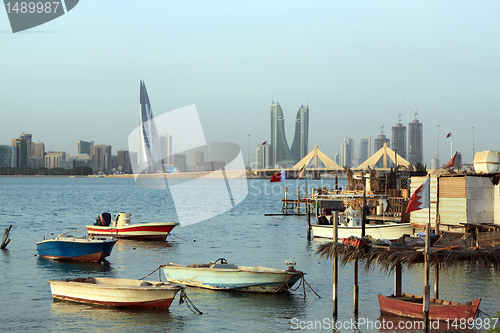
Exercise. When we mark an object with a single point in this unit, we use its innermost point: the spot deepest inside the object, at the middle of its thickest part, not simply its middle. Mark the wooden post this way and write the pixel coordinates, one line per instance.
(308, 223)
(298, 200)
(427, 288)
(436, 282)
(335, 266)
(285, 192)
(398, 280)
(356, 287)
(6, 240)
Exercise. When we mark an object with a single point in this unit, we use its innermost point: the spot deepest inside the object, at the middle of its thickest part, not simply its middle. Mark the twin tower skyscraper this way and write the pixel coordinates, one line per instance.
(278, 153)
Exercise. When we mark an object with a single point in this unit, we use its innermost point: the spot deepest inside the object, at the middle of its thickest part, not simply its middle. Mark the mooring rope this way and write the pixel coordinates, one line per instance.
(159, 273)
(189, 303)
(302, 283)
(479, 311)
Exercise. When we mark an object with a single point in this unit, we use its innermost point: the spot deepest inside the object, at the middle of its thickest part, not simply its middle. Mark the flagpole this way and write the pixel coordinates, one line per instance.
(451, 151)
(427, 288)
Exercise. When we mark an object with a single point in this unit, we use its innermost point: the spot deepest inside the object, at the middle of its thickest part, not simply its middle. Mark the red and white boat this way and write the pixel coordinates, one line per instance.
(116, 292)
(123, 228)
(411, 306)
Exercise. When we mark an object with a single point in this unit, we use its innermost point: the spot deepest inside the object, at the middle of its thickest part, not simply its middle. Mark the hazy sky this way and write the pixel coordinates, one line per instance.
(77, 77)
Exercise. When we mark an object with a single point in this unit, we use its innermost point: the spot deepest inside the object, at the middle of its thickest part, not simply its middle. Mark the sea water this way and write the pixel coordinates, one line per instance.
(39, 207)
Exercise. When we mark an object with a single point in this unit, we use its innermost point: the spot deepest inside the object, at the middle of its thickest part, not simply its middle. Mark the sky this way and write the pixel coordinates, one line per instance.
(356, 64)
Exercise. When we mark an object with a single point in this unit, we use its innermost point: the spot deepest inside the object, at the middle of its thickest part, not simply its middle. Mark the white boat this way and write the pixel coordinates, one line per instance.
(116, 292)
(122, 227)
(224, 276)
(349, 224)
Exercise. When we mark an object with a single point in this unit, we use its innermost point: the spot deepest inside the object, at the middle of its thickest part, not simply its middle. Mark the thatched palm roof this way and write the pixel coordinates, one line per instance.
(389, 257)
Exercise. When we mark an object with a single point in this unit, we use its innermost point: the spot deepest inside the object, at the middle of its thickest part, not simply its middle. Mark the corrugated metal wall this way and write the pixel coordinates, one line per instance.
(421, 217)
(453, 200)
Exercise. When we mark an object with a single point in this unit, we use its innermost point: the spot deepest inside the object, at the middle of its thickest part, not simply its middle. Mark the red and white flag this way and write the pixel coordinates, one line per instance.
(301, 172)
(421, 198)
(448, 135)
(278, 177)
(263, 143)
(451, 163)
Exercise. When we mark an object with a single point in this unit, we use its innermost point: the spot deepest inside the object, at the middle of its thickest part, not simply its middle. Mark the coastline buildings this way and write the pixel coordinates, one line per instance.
(347, 152)
(37, 154)
(364, 149)
(415, 142)
(101, 155)
(149, 149)
(263, 156)
(21, 151)
(399, 139)
(83, 147)
(280, 153)
(300, 139)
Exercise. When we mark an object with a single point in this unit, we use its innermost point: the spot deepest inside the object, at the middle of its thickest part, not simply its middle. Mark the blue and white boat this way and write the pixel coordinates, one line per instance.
(68, 246)
(223, 276)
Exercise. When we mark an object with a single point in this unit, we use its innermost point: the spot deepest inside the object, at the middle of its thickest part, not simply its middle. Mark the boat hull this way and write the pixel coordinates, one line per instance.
(243, 278)
(116, 292)
(380, 231)
(410, 306)
(75, 249)
(141, 231)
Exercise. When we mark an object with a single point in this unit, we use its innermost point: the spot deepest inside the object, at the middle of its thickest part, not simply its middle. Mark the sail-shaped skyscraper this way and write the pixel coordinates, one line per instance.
(299, 145)
(280, 153)
(149, 150)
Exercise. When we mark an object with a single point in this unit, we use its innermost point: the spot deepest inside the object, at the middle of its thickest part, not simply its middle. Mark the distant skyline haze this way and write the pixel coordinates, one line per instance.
(76, 78)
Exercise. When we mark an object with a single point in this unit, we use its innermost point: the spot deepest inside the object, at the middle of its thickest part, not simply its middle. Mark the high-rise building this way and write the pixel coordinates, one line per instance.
(38, 154)
(5, 156)
(179, 162)
(364, 149)
(264, 157)
(199, 157)
(101, 155)
(300, 140)
(149, 148)
(415, 143)
(379, 142)
(83, 147)
(55, 159)
(166, 148)
(124, 161)
(337, 158)
(347, 152)
(280, 153)
(399, 139)
(22, 151)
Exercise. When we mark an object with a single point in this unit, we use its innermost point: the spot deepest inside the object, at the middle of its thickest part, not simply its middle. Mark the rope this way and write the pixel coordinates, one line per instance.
(302, 283)
(152, 273)
(479, 312)
(189, 303)
(184, 239)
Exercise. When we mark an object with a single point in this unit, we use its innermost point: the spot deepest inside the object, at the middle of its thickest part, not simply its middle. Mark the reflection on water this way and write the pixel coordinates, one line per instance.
(126, 244)
(67, 269)
(70, 316)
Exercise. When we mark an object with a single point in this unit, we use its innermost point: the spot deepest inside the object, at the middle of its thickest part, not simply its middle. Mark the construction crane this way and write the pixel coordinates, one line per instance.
(400, 114)
(381, 127)
(414, 112)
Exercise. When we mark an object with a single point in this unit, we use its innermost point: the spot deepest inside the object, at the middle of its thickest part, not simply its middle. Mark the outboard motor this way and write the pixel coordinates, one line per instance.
(122, 219)
(104, 220)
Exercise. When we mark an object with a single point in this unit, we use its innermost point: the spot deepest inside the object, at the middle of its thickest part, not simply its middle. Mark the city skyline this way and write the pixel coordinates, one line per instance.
(349, 62)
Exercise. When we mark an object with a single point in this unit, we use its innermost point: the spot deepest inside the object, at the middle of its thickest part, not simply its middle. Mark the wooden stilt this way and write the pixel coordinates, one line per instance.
(398, 280)
(356, 287)
(335, 267)
(6, 239)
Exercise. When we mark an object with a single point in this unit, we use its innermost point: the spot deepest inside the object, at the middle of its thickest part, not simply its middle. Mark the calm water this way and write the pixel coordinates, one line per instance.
(37, 207)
